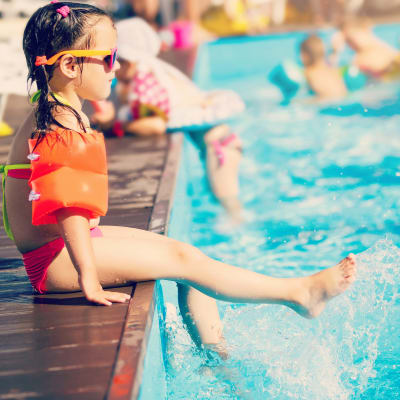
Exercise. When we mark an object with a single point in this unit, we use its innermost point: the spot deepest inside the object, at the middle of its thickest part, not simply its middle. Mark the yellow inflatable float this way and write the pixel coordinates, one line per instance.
(233, 18)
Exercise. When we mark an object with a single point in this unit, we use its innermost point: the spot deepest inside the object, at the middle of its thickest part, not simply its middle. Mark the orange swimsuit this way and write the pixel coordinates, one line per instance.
(68, 169)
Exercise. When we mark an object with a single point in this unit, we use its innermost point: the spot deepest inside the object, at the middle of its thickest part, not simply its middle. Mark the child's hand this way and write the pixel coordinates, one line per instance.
(106, 298)
(95, 293)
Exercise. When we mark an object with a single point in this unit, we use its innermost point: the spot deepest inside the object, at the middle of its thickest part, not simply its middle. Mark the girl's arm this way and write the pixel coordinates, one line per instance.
(74, 228)
(146, 126)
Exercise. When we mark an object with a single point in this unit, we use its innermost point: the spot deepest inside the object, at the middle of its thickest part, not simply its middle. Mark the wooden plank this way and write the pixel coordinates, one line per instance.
(36, 317)
(57, 383)
(22, 362)
(40, 337)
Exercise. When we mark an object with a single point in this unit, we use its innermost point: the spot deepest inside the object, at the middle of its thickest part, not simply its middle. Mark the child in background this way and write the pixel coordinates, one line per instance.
(372, 56)
(324, 80)
(70, 52)
(149, 10)
(153, 96)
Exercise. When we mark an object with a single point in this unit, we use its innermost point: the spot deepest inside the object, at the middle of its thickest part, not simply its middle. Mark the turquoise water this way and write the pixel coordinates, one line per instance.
(317, 182)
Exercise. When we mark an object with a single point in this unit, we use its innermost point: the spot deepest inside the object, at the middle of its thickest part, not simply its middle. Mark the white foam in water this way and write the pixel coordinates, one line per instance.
(334, 356)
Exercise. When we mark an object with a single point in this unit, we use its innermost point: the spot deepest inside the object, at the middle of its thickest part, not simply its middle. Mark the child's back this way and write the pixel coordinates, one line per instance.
(19, 209)
(324, 80)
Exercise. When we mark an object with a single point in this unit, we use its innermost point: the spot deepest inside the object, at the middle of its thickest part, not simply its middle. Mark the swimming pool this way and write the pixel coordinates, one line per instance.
(318, 182)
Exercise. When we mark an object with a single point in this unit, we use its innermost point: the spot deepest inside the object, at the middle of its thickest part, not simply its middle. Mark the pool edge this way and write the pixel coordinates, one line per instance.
(126, 377)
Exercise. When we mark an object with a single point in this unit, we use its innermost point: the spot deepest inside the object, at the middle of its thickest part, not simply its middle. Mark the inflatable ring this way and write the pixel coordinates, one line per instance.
(288, 77)
(216, 20)
(219, 107)
(353, 78)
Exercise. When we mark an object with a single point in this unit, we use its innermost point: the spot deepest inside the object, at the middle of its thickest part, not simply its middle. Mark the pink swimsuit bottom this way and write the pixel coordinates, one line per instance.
(37, 261)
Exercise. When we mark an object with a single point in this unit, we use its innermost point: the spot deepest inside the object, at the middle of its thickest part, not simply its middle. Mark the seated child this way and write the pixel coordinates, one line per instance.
(56, 189)
(325, 80)
(372, 56)
(154, 97)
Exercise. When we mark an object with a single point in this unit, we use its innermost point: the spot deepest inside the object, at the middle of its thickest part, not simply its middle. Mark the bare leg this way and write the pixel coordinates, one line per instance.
(201, 317)
(199, 311)
(223, 177)
(149, 256)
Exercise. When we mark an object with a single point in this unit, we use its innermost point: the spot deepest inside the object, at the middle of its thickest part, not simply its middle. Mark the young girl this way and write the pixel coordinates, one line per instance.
(70, 53)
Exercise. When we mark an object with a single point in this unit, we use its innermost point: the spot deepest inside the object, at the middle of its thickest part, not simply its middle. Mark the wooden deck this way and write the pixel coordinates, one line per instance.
(60, 346)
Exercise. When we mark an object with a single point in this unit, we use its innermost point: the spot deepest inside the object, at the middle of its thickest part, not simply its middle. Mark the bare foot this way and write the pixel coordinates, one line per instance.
(324, 285)
(219, 349)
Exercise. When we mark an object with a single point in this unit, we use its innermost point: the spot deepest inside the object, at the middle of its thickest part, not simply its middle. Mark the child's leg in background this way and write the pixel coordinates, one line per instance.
(223, 159)
(201, 317)
(222, 156)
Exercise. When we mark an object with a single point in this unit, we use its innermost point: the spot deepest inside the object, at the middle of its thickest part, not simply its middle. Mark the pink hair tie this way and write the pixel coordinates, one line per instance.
(40, 60)
(54, 2)
(64, 11)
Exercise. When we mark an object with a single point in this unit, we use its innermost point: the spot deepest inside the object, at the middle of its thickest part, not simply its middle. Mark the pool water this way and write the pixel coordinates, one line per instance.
(318, 181)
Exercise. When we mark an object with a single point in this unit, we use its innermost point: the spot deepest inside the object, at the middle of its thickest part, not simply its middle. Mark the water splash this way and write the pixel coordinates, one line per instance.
(347, 353)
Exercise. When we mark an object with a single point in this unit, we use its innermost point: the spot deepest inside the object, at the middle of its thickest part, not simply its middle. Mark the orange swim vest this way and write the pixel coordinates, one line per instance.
(69, 169)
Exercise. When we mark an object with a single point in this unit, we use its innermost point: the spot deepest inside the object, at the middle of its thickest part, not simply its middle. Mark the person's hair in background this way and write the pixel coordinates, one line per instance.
(312, 50)
(147, 9)
(152, 11)
(51, 29)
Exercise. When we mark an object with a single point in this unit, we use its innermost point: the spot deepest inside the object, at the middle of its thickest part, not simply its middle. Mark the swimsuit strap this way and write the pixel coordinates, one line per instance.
(35, 97)
(219, 145)
(4, 170)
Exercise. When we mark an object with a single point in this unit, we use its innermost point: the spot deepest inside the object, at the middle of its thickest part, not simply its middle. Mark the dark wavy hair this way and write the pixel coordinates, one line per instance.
(46, 34)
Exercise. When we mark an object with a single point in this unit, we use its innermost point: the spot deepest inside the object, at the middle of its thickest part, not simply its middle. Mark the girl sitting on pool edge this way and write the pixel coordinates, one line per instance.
(70, 52)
